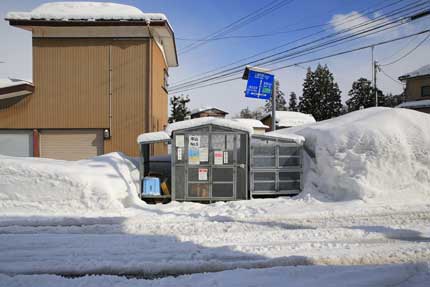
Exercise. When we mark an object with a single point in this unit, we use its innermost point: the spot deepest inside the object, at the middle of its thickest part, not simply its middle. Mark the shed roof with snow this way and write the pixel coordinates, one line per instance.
(247, 126)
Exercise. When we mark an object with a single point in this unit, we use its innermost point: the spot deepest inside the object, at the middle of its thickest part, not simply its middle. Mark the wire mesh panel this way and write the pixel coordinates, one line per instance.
(210, 157)
(276, 166)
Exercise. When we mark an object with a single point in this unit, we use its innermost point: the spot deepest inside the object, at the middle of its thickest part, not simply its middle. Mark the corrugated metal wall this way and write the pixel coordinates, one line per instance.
(159, 101)
(71, 78)
(129, 95)
(71, 86)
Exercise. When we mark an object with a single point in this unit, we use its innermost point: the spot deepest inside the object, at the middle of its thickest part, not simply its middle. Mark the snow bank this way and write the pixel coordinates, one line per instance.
(107, 183)
(373, 154)
(5, 83)
(64, 11)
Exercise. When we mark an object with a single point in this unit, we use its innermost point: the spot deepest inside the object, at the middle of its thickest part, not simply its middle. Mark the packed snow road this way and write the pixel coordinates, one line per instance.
(158, 241)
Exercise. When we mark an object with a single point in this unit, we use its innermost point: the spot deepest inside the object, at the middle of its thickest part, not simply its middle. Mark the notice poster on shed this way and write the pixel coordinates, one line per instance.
(218, 157)
(193, 156)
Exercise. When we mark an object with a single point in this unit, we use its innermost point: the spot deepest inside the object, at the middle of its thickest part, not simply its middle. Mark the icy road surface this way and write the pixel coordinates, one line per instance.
(189, 238)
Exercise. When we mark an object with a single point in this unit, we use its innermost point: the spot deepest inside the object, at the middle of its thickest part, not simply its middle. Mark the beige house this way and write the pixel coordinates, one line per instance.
(99, 79)
(417, 91)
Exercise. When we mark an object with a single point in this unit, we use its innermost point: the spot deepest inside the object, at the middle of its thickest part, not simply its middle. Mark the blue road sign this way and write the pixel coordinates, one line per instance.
(259, 85)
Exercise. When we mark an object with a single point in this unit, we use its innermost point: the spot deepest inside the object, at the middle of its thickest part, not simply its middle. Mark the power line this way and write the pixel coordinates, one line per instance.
(245, 20)
(233, 70)
(408, 53)
(390, 77)
(316, 59)
(346, 20)
(398, 10)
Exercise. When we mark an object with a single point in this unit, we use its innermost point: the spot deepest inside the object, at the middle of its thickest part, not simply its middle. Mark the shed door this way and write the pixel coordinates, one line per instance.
(16, 143)
(71, 144)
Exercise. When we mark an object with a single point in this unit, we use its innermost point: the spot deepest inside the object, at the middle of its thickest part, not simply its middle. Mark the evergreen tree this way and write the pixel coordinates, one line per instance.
(246, 113)
(321, 94)
(292, 104)
(281, 103)
(362, 95)
(179, 109)
(394, 100)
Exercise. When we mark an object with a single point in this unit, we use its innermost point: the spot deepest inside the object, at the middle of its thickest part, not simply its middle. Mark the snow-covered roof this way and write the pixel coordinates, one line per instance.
(292, 119)
(65, 11)
(286, 136)
(153, 137)
(228, 123)
(423, 71)
(10, 88)
(415, 104)
(253, 123)
(202, 109)
(101, 16)
(5, 83)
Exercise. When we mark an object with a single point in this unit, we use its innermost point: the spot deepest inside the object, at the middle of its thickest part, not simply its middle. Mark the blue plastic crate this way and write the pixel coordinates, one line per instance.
(151, 186)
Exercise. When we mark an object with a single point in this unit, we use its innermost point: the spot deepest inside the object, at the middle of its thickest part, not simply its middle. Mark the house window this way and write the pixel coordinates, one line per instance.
(166, 80)
(425, 91)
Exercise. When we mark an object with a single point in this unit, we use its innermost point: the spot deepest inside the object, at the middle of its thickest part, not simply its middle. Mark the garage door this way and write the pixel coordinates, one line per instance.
(16, 143)
(71, 144)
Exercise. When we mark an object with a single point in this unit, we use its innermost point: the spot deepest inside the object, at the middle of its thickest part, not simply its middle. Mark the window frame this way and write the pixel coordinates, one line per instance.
(422, 91)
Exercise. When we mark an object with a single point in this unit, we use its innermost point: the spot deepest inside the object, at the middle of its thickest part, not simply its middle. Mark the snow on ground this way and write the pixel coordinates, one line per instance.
(302, 276)
(84, 218)
(378, 154)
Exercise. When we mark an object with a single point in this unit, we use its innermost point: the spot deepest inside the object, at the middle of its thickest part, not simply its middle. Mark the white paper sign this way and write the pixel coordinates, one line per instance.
(203, 174)
(194, 141)
(179, 154)
(218, 157)
(226, 157)
(180, 141)
(204, 154)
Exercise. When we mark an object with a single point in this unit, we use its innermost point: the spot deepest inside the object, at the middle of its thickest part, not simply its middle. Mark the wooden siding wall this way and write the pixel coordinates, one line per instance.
(129, 99)
(413, 88)
(159, 97)
(71, 79)
(71, 87)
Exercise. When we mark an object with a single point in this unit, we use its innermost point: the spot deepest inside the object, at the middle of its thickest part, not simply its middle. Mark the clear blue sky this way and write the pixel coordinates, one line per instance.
(196, 19)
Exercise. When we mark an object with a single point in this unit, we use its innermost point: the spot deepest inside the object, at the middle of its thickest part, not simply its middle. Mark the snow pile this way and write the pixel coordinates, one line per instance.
(107, 183)
(378, 154)
(65, 11)
(293, 119)
(153, 137)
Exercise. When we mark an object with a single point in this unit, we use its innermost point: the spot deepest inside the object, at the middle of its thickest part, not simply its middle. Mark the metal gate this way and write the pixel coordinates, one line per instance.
(276, 166)
(209, 164)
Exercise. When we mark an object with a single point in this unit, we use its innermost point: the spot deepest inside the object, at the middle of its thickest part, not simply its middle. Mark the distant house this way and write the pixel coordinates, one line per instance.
(417, 91)
(208, 112)
(99, 79)
(287, 119)
(257, 126)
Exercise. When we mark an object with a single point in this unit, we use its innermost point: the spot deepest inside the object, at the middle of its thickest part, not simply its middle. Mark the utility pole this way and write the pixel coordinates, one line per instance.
(374, 76)
(274, 95)
(375, 68)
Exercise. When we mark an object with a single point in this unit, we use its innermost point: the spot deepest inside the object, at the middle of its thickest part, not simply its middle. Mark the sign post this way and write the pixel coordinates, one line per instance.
(274, 95)
(261, 85)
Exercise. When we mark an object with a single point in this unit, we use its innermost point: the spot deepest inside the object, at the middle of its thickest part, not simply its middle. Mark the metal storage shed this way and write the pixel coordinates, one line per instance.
(219, 159)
